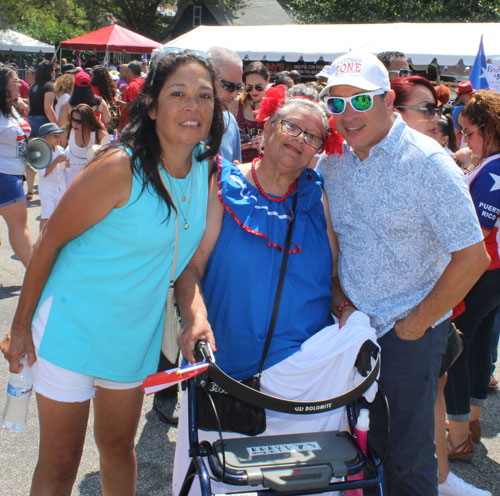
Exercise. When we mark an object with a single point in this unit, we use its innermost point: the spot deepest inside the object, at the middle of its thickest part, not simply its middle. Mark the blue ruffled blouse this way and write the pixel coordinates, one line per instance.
(243, 270)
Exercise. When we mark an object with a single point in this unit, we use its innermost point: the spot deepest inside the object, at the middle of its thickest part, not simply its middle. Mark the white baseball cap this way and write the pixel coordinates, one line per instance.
(360, 69)
(326, 72)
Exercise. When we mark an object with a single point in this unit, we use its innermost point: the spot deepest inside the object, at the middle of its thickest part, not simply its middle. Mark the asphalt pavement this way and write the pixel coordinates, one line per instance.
(155, 440)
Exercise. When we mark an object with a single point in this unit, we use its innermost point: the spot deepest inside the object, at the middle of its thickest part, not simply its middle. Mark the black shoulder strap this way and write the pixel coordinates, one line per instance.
(279, 288)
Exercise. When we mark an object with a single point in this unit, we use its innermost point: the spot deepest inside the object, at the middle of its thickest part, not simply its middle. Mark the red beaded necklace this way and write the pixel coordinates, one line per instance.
(291, 189)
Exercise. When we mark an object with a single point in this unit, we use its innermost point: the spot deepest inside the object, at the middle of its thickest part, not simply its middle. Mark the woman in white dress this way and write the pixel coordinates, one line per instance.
(83, 132)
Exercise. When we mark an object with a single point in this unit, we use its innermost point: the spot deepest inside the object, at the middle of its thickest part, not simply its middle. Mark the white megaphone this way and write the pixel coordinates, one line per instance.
(38, 153)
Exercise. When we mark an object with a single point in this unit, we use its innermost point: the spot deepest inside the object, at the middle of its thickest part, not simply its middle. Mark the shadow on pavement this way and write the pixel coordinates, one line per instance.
(155, 462)
(490, 423)
(155, 458)
(90, 485)
(481, 471)
(9, 292)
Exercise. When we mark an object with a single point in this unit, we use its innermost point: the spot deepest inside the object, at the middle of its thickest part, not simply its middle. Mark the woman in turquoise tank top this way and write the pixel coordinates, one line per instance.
(91, 310)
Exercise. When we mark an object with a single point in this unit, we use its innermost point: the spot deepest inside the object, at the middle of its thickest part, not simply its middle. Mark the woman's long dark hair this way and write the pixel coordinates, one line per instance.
(445, 125)
(43, 72)
(89, 120)
(83, 94)
(101, 79)
(6, 102)
(255, 67)
(140, 134)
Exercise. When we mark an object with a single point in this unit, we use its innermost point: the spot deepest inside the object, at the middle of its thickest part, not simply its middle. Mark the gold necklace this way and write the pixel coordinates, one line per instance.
(183, 191)
(178, 204)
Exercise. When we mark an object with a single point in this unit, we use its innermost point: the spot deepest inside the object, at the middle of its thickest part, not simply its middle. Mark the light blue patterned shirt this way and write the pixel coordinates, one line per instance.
(230, 147)
(398, 215)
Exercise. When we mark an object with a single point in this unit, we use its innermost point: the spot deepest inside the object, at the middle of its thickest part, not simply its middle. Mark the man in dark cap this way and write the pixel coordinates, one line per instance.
(69, 69)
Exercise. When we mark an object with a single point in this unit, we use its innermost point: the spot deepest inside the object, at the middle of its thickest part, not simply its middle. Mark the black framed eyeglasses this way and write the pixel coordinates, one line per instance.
(403, 72)
(229, 86)
(293, 130)
(429, 109)
(76, 121)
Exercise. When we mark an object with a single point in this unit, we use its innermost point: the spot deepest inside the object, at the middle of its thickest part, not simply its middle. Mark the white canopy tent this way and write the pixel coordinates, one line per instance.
(17, 42)
(421, 42)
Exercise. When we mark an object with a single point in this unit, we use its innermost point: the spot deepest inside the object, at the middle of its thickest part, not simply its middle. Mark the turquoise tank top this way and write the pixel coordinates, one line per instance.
(109, 284)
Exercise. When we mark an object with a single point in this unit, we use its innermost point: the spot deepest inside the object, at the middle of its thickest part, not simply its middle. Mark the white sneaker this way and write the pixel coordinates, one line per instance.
(455, 486)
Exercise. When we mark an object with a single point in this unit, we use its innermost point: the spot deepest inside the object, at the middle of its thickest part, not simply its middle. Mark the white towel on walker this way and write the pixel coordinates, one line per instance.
(322, 368)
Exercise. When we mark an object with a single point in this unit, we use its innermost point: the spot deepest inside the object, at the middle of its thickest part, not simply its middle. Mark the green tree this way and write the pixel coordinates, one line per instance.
(53, 21)
(140, 16)
(47, 21)
(370, 11)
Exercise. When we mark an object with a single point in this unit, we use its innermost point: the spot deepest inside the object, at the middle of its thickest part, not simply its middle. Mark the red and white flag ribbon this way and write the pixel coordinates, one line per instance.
(162, 380)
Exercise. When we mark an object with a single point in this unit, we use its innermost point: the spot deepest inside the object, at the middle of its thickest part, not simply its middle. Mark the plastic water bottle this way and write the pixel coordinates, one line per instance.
(361, 438)
(15, 414)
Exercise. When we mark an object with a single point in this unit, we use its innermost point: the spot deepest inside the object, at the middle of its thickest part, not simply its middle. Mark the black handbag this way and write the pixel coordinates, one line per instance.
(234, 415)
(454, 348)
(216, 408)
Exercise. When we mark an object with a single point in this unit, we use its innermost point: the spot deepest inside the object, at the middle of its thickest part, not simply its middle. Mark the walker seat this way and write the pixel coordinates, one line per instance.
(292, 462)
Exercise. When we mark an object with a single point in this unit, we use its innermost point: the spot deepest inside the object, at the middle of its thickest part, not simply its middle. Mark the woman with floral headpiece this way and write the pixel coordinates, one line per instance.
(236, 268)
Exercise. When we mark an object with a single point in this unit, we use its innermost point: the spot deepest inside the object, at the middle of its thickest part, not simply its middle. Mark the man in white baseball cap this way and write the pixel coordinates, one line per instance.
(410, 249)
(363, 79)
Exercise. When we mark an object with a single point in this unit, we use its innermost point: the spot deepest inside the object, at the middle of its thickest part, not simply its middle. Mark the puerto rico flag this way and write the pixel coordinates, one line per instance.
(484, 186)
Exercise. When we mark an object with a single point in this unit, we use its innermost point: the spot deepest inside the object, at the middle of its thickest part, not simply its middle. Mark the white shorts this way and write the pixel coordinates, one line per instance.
(60, 384)
(49, 200)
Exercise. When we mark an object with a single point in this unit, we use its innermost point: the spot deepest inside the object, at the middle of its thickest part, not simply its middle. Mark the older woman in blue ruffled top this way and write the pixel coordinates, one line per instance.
(236, 268)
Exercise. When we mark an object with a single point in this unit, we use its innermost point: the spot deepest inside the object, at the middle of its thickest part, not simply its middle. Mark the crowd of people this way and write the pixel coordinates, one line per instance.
(84, 103)
(391, 196)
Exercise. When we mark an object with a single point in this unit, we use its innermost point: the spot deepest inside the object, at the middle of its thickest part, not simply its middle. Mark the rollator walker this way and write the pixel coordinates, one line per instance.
(287, 464)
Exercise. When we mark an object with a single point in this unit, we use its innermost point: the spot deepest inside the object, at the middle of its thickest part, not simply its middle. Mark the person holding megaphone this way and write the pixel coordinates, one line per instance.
(51, 183)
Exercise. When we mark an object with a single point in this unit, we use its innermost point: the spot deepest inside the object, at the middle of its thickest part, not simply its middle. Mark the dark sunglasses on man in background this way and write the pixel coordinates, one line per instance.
(230, 86)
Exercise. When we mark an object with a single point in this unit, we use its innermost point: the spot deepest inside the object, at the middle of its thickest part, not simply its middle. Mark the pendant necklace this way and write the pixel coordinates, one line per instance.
(183, 191)
(178, 203)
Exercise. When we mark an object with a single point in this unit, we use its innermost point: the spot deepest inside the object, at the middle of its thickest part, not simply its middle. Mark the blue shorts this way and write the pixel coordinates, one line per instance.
(11, 189)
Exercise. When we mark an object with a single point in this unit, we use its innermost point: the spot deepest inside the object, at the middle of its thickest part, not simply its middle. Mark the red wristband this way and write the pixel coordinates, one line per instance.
(347, 303)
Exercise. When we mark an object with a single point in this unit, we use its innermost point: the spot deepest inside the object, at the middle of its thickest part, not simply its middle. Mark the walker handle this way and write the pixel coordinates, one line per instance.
(203, 351)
